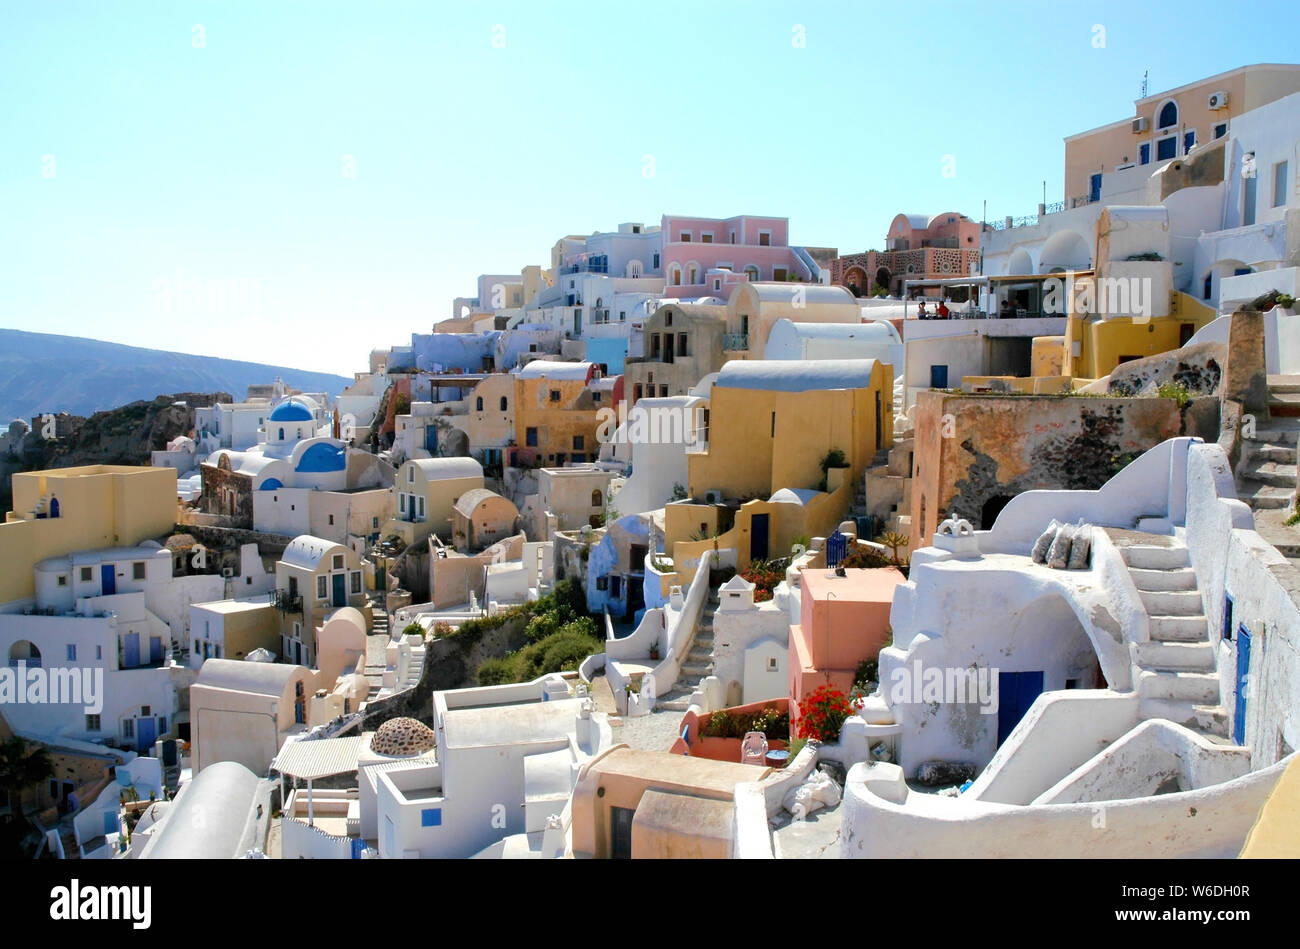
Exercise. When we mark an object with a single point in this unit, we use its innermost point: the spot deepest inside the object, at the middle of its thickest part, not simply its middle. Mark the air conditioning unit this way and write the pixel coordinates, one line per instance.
(1218, 100)
(1141, 125)
(227, 572)
(712, 497)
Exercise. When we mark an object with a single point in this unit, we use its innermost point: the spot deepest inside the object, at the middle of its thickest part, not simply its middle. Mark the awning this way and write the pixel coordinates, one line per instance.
(319, 758)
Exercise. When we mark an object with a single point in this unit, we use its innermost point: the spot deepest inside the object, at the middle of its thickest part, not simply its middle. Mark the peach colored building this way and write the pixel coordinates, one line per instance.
(917, 248)
(842, 622)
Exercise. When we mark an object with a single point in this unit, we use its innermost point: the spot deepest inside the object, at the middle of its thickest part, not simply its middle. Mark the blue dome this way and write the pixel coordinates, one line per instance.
(271, 484)
(323, 457)
(291, 410)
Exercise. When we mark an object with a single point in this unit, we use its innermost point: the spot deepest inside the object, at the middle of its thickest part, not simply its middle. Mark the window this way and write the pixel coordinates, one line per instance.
(686, 237)
(771, 664)
(356, 581)
(530, 437)
(751, 272)
(597, 499)
(1279, 184)
(374, 525)
(733, 236)
(706, 238)
(555, 395)
(1221, 130)
(478, 404)
(663, 392)
(410, 475)
(431, 817)
(656, 260)
(72, 652)
(401, 503)
(99, 652)
(622, 317)
(162, 721)
(1189, 139)
(764, 238)
(668, 319)
(577, 443)
(137, 570)
(681, 344)
(420, 501)
(1168, 115)
(1167, 148)
(62, 580)
(717, 284)
(602, 583)
(504, 403)
(198, 647)
(321, 587)
(338, 561)
(1144, 153)
(92, 723)
(86, 574)
(128, 728)
(778, 273)
(331, 520)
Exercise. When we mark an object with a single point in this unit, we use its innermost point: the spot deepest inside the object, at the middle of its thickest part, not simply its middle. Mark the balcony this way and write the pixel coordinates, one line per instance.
(734, 342)
(285, 602)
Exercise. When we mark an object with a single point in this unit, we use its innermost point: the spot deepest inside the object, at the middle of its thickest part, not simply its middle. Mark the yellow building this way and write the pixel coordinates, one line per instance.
(557, 412)
(759, 483)
(313, 578)
(426, 492)
(754, 309)
(64, 510)
(489, 419)
(1164, 125)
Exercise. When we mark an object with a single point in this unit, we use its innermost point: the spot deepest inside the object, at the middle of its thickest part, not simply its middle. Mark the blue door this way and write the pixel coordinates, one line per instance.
(155, 649)
(131, 651)
(146, 732)
(340, 589)
(358, 845)
(431, 439)
(758, 530)
(1094, 189)
(1016, 692)
(938, 377)
(1243, 682)
(108, 580)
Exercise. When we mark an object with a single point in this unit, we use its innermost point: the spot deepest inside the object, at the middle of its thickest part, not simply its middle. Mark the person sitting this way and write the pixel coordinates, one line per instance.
(920, 311)
(942, 311)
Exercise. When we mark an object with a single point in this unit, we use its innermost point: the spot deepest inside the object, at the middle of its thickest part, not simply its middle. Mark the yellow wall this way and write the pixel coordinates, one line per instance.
(100, 506)
(490, 428)
(575, 414)
(1105, 341)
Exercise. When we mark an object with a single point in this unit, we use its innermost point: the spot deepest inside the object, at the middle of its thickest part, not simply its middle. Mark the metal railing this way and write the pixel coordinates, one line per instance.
(735, 341)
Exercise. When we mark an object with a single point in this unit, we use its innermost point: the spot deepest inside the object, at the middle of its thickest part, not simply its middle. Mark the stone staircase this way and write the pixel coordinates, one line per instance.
(888, 486)
(698, 664)
(1175, 672)
(1266, 472)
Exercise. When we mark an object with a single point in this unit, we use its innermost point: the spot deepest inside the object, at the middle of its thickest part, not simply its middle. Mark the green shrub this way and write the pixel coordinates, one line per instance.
(413, 629)
(1176, 391)
(495, 672)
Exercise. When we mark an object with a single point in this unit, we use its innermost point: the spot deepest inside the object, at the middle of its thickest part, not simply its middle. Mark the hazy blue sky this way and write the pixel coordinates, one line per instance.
(129, 156)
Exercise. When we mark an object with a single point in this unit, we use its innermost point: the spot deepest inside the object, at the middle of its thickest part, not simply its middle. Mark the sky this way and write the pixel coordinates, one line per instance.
(329, 176)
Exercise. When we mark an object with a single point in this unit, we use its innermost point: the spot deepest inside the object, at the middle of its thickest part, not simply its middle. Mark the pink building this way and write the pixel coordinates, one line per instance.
(709, 256)
(842, 621)
(917, 248)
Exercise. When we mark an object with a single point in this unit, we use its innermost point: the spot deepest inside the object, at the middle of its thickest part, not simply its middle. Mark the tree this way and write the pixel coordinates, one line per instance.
(21, 766)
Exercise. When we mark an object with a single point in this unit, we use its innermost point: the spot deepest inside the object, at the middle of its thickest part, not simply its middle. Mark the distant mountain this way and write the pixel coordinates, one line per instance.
(40, 373)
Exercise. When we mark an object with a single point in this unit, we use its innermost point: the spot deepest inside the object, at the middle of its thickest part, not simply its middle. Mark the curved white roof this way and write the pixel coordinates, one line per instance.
(468, 501)
(240, 675)
(210, 818)
(437, 469)
(796, 375)
(244, 462)
(877, 331)
(813, 293)
(916, 221)
(800, 496)
(306, 551)
(553, 369)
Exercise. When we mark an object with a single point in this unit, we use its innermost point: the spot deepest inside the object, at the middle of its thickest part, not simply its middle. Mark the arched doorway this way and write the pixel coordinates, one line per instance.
(991, 509)
(24, 651)
(1065, 250)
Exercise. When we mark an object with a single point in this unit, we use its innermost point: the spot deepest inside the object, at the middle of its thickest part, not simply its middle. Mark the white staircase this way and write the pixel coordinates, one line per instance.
(1266, 472)
(698, 664)
(1175, 672)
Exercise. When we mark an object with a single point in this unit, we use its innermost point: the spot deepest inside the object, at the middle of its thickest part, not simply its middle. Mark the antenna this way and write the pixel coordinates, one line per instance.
(1144, 84)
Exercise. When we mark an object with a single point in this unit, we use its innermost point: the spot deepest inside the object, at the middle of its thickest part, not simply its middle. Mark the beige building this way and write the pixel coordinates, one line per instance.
(481, 518)
(567, 499)
(489, 419)
(1167, 124)
(426, 492)
(682, 343)
(243, 711)
(231, 629)
(755, 307)
(313, 578)
(61, 511)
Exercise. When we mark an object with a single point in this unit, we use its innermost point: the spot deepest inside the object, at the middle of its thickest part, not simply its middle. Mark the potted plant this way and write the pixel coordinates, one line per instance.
(654, 651)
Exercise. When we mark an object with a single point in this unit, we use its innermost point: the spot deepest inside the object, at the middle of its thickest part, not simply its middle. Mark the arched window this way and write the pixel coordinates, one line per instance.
(675, 274)
(281, 434)
(597, 499)
(504, 403)
(478, 404)
(692, 273)
(24, 651)
(1168, 115)
(751, 273)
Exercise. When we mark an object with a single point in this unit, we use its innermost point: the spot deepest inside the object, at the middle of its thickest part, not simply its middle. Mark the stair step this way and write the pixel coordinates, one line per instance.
(1179, 629)
(1178, 686)
(1179, 578)
(697, 670)
(1277, 473)
(1153, 557)
(1172, 602)
(1206, 718)
(1181, 656)
(1270, 451)
(1262, 496)
(1283, 382)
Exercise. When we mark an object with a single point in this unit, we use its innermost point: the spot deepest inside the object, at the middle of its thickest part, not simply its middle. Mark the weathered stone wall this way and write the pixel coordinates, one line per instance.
(973, 453)
(1198, 368)
(213, 499)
